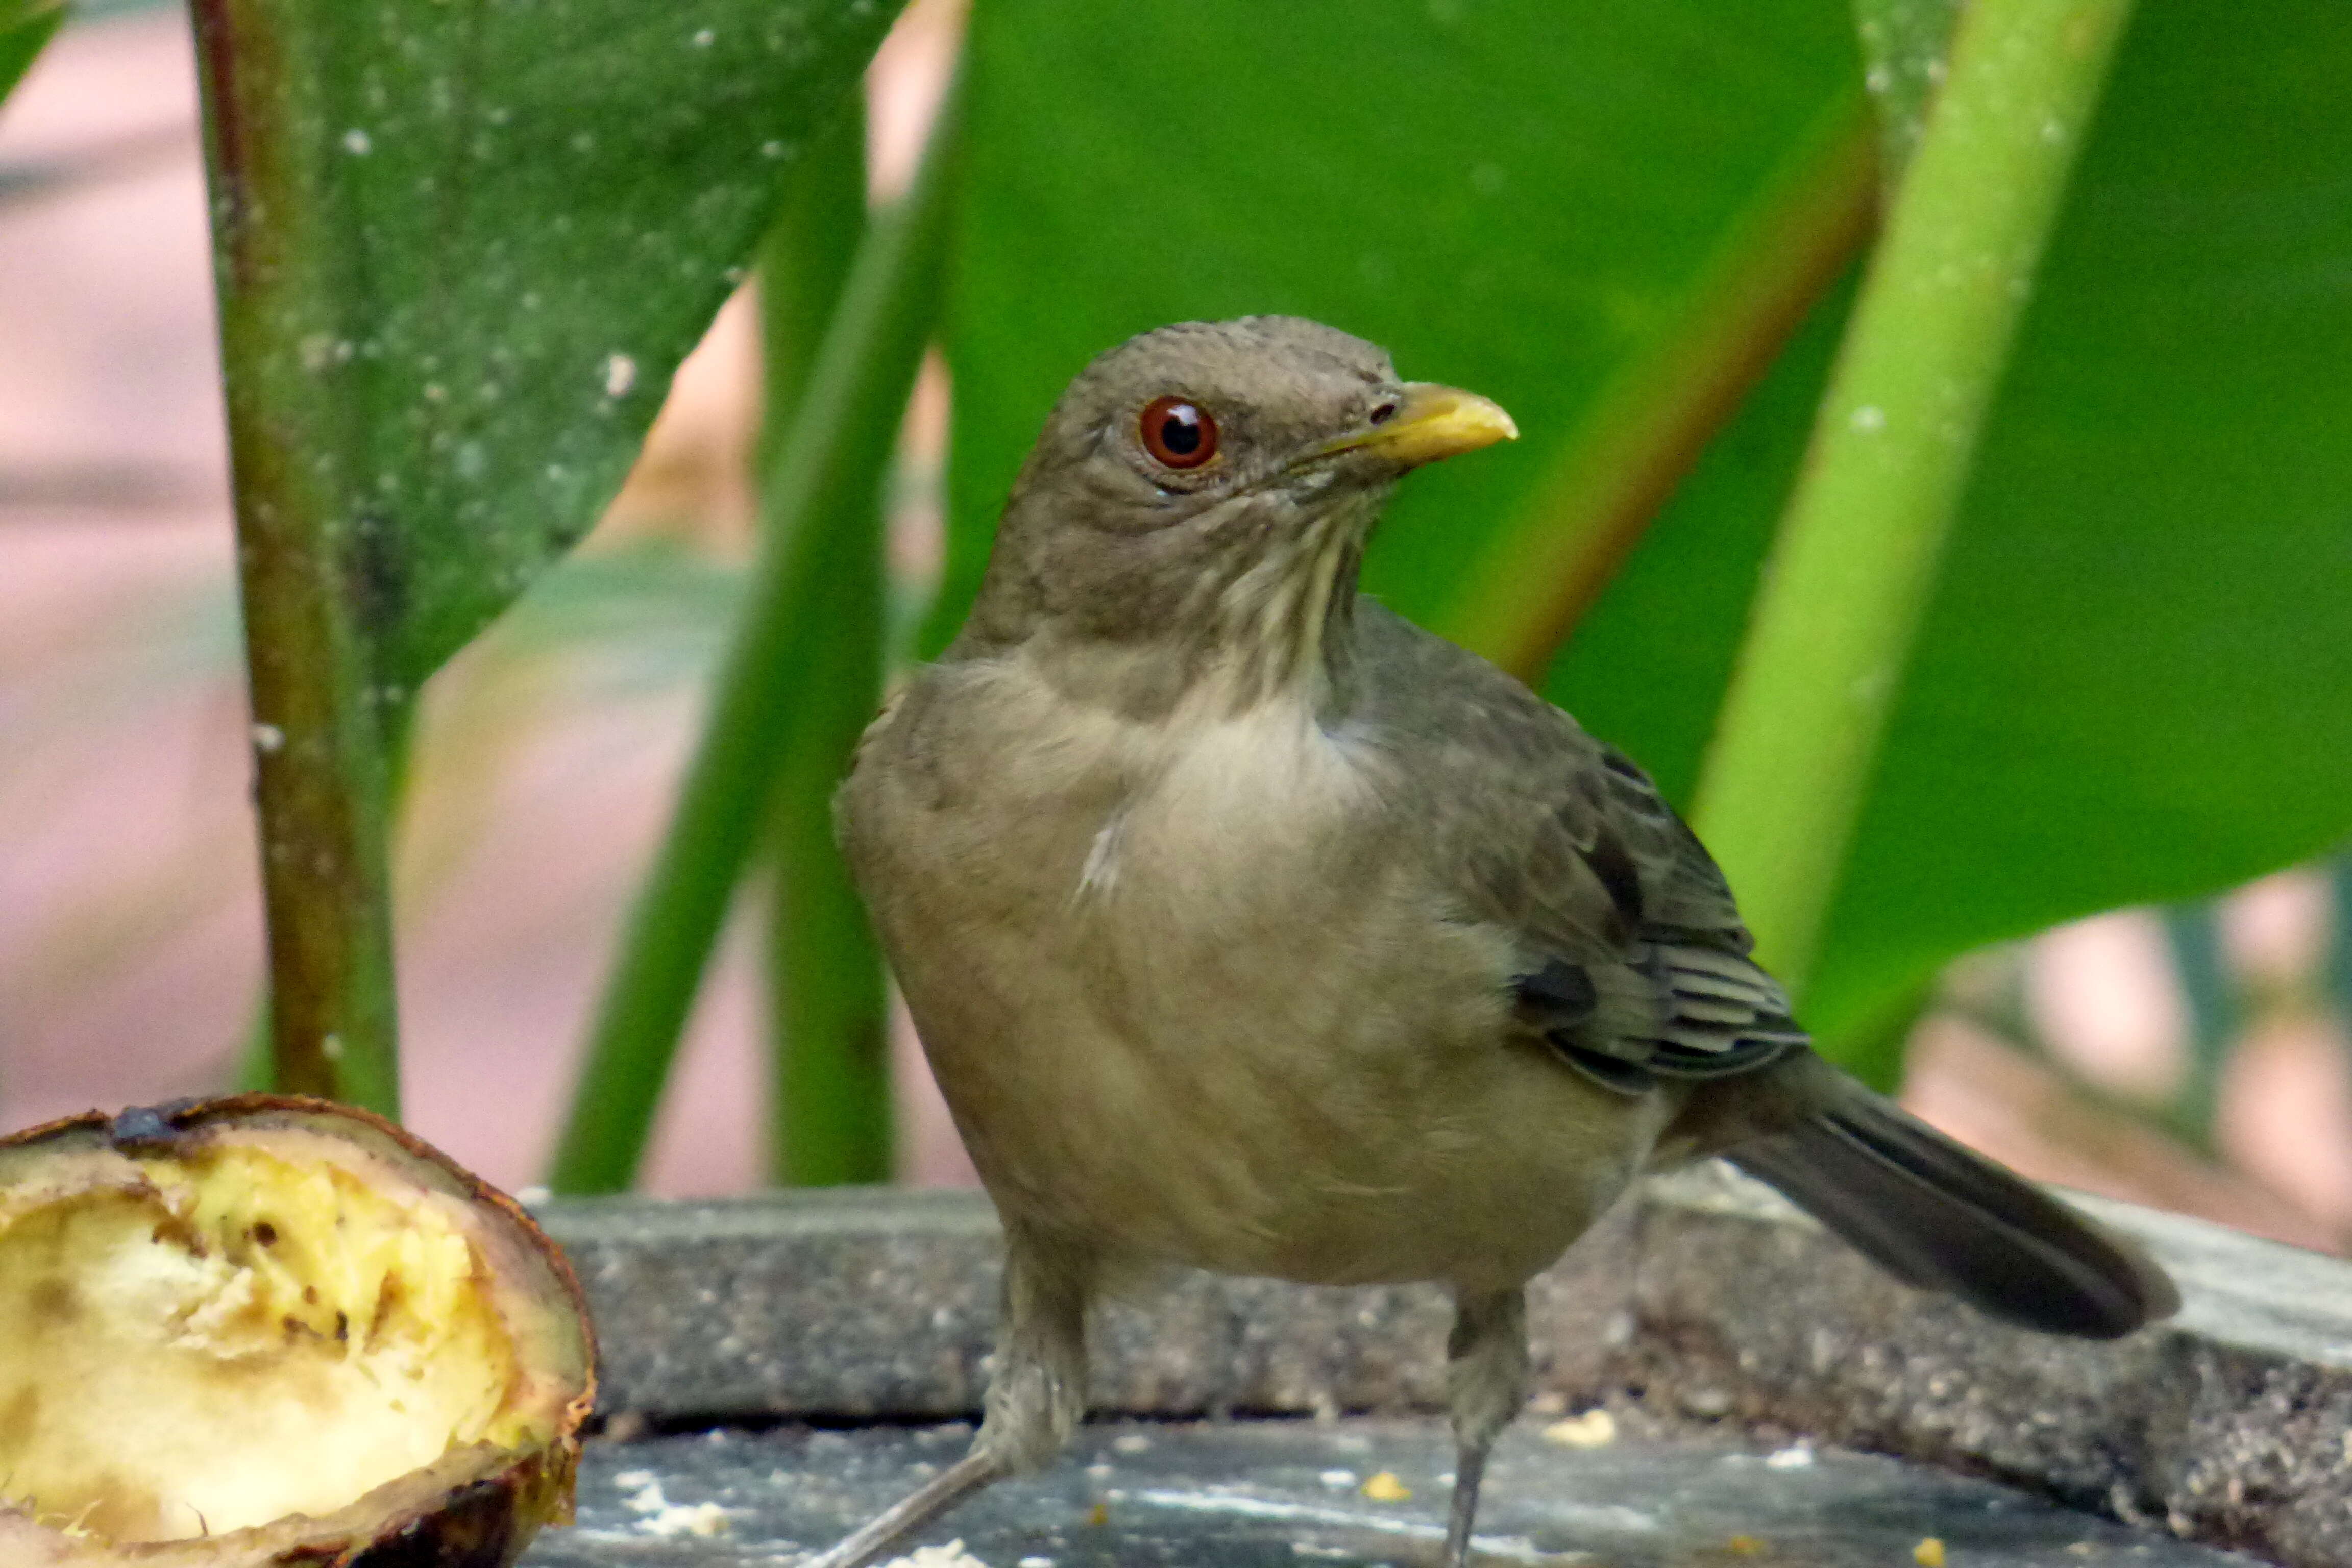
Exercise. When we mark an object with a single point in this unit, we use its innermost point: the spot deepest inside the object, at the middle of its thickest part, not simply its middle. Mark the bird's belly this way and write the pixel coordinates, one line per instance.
(1259, 1056)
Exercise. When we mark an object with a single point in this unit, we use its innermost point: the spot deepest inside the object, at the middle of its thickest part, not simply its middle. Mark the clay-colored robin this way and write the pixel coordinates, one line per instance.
(1249, 926)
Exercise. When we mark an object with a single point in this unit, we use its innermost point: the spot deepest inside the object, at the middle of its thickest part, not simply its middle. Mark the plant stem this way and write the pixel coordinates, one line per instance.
(1852, 571)
(322, 722)
(1538, 575)
(831, 464)
(828, 1005)
(804, 264)
(2194, 933)
(2335, 968)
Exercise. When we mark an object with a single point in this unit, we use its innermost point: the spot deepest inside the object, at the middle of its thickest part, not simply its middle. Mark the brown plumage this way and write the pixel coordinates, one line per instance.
(1249, 926)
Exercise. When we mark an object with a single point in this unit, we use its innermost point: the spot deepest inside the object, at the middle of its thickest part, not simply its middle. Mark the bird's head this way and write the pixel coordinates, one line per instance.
(1197, 502)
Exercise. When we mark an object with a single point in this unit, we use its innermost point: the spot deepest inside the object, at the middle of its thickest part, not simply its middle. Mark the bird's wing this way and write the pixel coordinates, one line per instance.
(1635, 961)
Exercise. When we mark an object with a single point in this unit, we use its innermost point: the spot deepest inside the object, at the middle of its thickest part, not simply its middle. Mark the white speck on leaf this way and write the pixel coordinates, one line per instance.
(705, 38)
(268, 739)
(357, 144)
(620, 374)
(332, 1047)
(1870, 419)
(771, 149)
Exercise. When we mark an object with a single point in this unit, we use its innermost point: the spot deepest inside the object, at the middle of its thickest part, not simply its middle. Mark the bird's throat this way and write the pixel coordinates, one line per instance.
(1281, 627)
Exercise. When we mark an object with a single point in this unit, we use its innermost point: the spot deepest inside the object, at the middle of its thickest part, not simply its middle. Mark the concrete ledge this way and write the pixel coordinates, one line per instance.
(1704, 1297)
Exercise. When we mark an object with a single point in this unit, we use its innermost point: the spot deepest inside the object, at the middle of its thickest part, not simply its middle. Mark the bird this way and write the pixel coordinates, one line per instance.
(1249, 926)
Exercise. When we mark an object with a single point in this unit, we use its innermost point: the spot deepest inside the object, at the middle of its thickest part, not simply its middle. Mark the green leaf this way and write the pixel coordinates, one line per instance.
(2135, 683)
(460, 246)
(25, 26)
(515, 220)
(1837, 616)
(1521, 199)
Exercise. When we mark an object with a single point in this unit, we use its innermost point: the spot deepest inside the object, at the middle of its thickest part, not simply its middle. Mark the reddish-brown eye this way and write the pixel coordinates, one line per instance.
(1178, 433)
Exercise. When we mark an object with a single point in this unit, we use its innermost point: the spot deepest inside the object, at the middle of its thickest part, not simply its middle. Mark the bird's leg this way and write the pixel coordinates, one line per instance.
(1486, 1384)
(1035, 1397)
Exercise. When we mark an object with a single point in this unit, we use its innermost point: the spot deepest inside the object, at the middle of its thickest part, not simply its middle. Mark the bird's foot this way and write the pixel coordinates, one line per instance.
(894, 1524)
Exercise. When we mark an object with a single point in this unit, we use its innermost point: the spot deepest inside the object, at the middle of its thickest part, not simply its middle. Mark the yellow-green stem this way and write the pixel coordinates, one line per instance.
(323, 722)
(1851, 572)
(828, 1005)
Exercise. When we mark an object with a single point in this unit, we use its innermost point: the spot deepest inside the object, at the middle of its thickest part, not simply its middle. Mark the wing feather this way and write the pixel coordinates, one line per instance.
(1635, 962)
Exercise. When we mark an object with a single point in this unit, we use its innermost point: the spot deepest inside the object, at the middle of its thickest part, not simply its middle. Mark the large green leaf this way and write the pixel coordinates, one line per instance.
(2136, 681)
(515, 219)
(460, 247)
(1518, 197)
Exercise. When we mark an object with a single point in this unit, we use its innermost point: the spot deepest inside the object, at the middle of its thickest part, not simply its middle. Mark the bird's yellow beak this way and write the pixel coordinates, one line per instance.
(1430, 422)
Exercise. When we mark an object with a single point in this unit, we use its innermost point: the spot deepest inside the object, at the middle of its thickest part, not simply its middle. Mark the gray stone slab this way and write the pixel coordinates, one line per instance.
(1259, 1494)
(1704, 1299)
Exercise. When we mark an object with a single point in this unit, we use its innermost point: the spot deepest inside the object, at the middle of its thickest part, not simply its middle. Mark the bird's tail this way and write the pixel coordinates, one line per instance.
(1936, 1216)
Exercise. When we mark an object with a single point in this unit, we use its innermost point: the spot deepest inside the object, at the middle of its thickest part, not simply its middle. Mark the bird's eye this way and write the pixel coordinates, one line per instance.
(1177, 433)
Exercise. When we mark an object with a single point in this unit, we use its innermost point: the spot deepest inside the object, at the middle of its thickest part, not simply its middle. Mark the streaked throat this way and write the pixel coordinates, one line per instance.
(1283, 621)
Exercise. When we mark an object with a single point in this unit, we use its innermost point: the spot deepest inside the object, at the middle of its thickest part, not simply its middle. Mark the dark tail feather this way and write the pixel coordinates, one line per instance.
(1936, 1216)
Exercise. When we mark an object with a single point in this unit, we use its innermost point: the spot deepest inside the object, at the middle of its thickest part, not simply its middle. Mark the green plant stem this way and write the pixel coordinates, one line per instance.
(1537, 577)
(2335, 966)
(804, 265)
(322, 722)
(1856, 557)
(828, 1004)
(833, 462)
(256, 1068)
(2194, 934)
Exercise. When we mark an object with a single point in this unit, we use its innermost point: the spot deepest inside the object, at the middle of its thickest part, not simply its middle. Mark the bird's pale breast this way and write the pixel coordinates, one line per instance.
(1192, 999)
